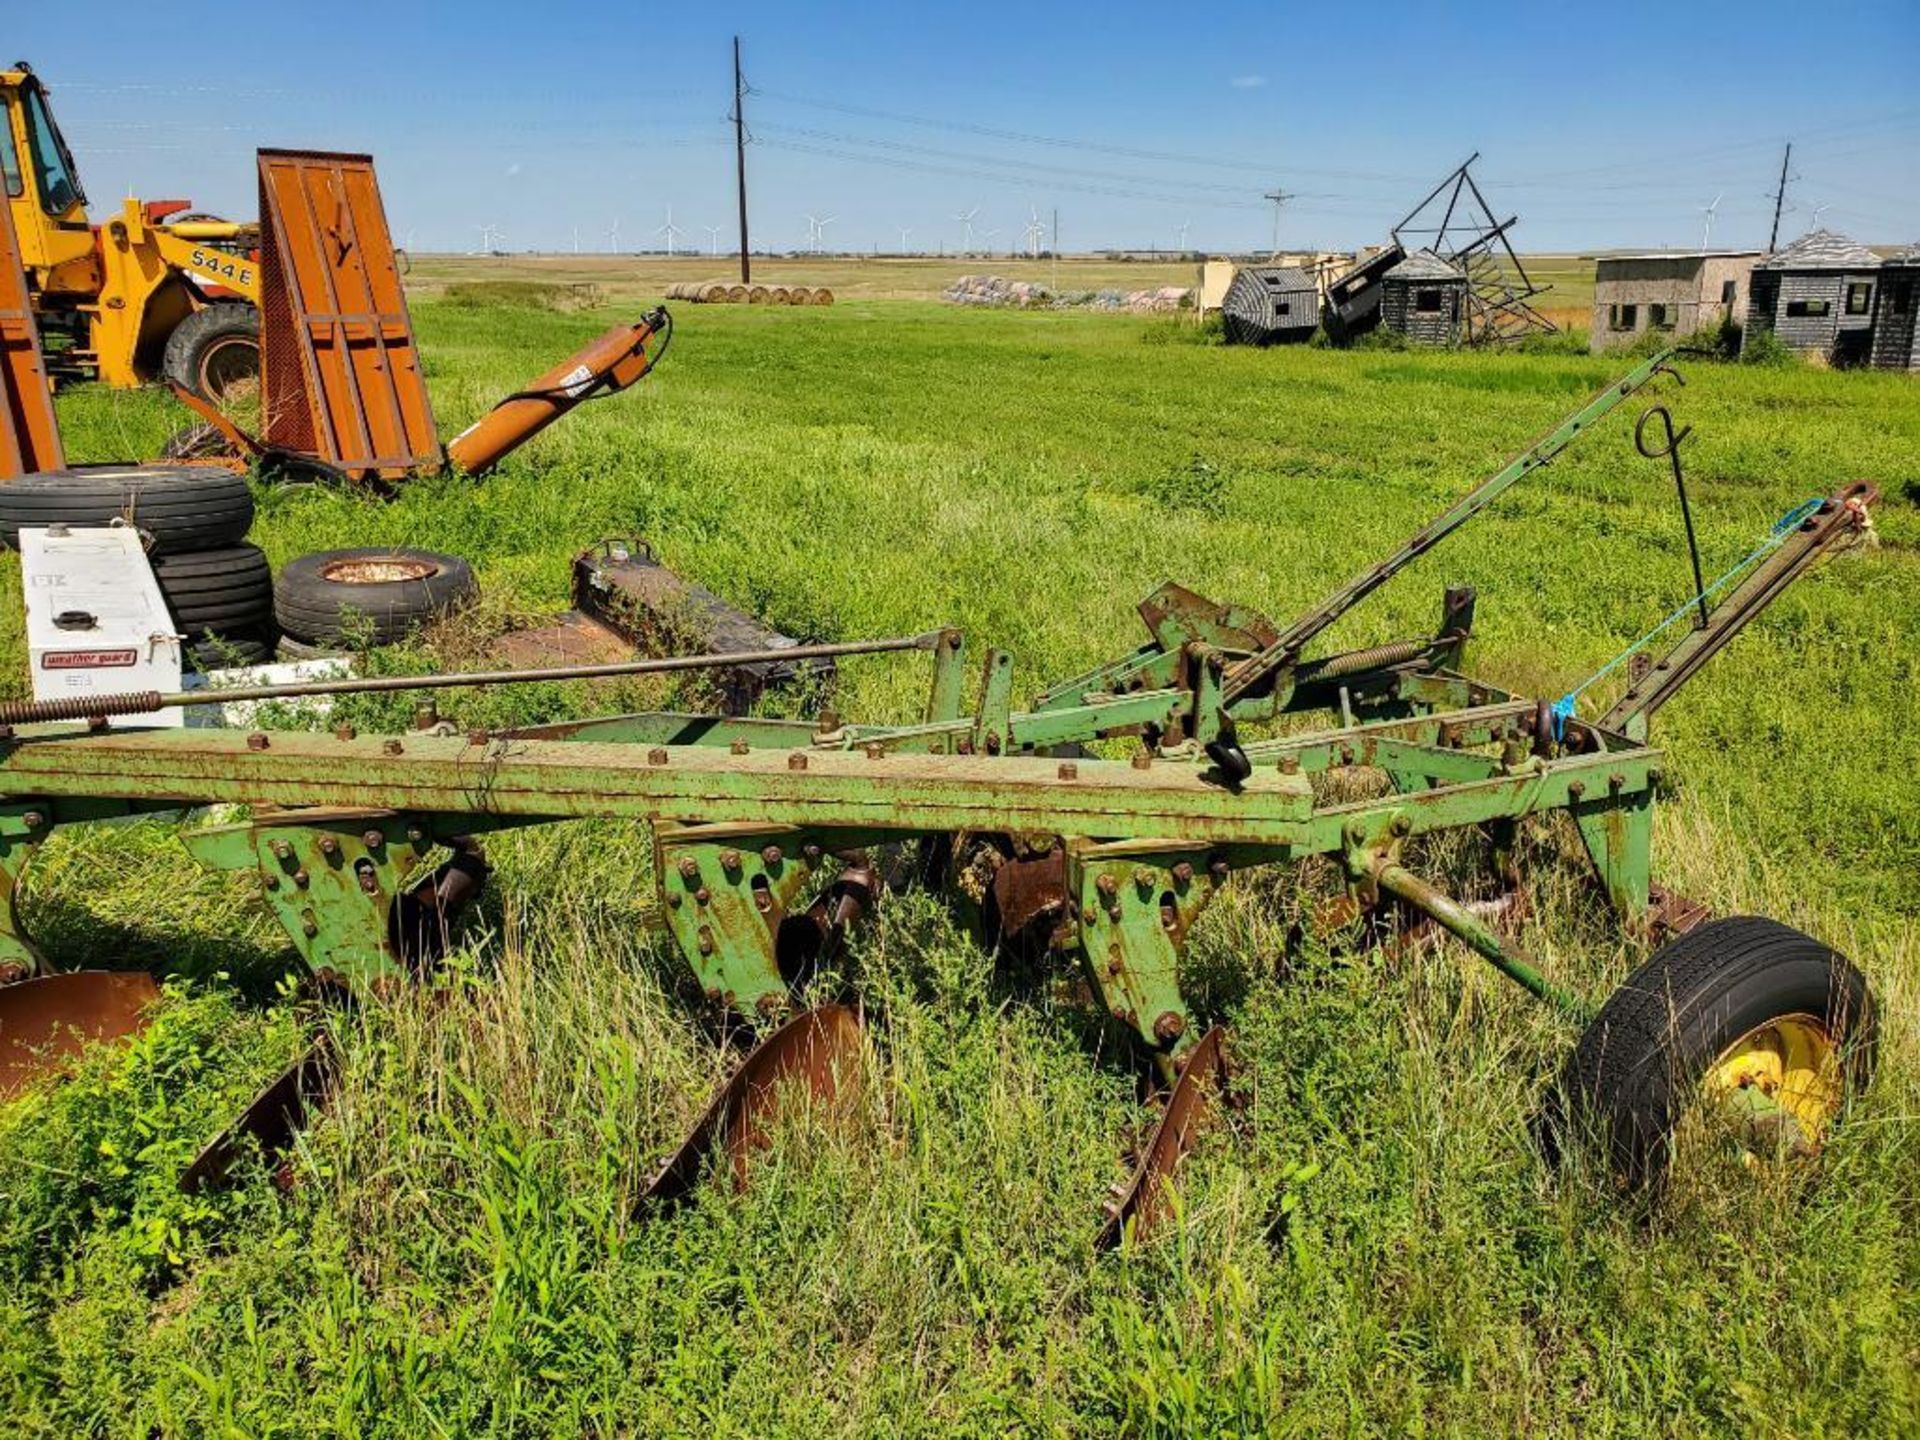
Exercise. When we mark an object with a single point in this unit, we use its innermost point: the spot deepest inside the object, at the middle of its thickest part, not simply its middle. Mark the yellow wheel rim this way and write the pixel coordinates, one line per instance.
(1782, 1081)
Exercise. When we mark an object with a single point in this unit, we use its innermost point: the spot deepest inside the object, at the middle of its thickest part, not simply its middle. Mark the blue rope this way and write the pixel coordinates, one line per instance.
(1563, 708)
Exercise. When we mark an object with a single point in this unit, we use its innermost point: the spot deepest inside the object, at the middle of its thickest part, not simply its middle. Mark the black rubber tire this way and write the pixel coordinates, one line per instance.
(1638, 1067)
(225, 591)
(204, 352)
(316, 603)
(230, 651)
(184, 507)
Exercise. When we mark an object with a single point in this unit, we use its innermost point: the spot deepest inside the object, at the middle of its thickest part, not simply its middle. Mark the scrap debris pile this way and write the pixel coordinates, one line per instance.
(997, 290)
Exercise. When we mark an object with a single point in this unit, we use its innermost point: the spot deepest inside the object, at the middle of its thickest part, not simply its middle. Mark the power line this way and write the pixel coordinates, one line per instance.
(1025, 137)
(890, 162)
(1040, 167)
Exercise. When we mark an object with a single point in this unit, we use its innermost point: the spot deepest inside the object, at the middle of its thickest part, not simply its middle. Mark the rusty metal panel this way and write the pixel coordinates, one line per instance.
(340, 372)
(29, 436)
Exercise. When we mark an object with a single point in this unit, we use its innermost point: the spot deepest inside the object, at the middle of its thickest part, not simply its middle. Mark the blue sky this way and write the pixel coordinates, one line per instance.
(1599, 125)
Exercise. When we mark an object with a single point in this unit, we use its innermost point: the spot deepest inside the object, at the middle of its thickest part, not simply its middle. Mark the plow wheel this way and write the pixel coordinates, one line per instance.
(45, 1023)
(1743, 1031)
(1138, 1204)
(817, 1049)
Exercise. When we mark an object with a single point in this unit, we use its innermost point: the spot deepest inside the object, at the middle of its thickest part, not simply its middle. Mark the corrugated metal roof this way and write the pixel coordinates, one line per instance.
(1905, 255)
(1678, 255)
(1423, 265)
(1822, 250)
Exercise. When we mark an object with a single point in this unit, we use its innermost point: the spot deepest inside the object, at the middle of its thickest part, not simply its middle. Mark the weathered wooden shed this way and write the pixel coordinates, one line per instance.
(1424, 298)
(1677, 291)
(1353, 299)
(1817, 297)
(1271, 305)
(1896, 336)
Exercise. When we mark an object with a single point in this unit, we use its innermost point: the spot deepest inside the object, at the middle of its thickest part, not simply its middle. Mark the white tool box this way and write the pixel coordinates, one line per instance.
(96, 621)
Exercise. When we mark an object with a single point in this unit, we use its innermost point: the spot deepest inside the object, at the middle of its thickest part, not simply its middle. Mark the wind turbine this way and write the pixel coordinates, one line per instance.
(613, 238)
(1035, 230)
(986, 238)
(670, 230)
(1707, 211)
(1186, 225)
(713, 238)
(965, 217)
(576, 239)
(904, 233)
(490, 237)
(817, 230)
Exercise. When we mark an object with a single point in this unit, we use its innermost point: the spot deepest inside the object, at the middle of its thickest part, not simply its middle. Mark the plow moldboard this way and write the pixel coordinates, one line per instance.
(46, 1022)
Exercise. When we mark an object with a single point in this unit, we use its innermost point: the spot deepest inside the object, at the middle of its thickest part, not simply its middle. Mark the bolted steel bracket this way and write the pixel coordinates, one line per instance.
(727, 893)
(1367, 846)
(332, 883)
(23, 825)
(1136, 904)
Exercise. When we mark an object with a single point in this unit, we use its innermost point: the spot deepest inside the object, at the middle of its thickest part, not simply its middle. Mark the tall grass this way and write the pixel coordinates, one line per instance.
(1370, 1247)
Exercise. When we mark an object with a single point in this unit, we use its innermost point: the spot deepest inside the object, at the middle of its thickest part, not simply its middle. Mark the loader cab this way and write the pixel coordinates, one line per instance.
(43, 190)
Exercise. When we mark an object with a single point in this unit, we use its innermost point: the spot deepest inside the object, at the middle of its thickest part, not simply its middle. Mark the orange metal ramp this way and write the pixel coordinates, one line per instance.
(340, 371)
(29, 437)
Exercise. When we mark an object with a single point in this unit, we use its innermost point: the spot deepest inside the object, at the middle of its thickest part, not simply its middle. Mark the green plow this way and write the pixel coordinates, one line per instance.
(1097, 823)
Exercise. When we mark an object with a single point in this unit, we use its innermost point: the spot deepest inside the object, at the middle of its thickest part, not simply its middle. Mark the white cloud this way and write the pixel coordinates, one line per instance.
(1247, 82)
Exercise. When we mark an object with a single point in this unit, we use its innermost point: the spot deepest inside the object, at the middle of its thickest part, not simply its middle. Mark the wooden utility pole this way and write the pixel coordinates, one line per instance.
(1779, 199)
(740, 161)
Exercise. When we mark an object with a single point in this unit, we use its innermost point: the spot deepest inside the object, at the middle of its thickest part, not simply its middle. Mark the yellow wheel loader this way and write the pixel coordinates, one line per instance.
(157, 292)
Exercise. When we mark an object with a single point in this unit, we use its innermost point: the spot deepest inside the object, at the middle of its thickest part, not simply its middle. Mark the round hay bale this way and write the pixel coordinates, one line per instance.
(779, 295)
(714, 292)
(736, 294)
(758, 295)
(822, 296)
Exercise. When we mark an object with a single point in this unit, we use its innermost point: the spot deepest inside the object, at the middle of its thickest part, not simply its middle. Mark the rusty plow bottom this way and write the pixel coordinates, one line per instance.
(1138, 1204)
(45, 1023)
(818, 1049)
(272, 1119)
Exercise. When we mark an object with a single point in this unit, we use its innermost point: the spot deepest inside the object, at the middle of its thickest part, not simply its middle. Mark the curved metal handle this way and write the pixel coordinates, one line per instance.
(1666, 420)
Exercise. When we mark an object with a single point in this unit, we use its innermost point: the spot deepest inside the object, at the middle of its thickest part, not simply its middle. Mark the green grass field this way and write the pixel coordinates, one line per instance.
(1373, 1249)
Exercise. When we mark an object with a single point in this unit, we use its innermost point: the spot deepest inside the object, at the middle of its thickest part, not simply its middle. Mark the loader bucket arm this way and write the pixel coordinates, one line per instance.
(607, 366)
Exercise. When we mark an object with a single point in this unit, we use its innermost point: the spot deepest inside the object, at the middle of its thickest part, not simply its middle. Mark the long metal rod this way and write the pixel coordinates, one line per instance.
(1255, 668)
(1843, 515)
(32, 711)
(1456, 918)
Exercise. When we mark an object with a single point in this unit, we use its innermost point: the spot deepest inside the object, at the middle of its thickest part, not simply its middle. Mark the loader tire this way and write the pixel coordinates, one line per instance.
(376, 595)
(1739, 1004)
(217, 591)
(214, 349)
(183, 507)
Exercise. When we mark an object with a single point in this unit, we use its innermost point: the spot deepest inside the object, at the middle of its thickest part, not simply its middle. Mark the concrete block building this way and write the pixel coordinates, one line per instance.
(1681, 293)
(1425, 299)
(1896, 338)
(1817, 297)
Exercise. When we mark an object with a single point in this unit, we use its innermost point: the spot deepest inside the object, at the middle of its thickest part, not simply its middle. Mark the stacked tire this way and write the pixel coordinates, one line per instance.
(196, 518)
